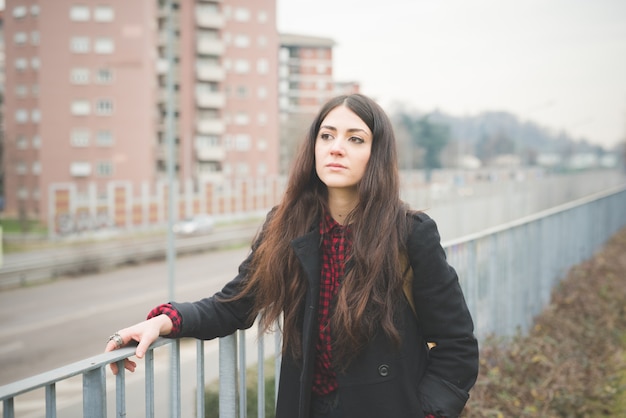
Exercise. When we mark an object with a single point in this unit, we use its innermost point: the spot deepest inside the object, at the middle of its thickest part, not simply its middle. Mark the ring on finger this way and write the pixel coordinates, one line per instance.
(117, 339)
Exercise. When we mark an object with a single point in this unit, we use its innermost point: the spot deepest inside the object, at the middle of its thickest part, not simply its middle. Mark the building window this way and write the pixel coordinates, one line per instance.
(104, 168)
(261, 169)
(262, 66)
(20, 38)
(35, 63)
(104, 106)
(104, 46)
(79, 76)
(36, 142)
(261, 144)
(34, 10)
(262, 92)
(19, 12)
(262, 118)
(34, 37)
(20, 167)
(262, 41)
(21, 142)
(262, 16)
(80, 138)
(242, 66)
(35, 115)
(80, 107)
(241, 14)
(21, 90)
(21, 115)
(35, 90)
(242, 41)
(104, 76)
(80, 169)
(79, 13)
(22, 193)
(242, 118)
(36, 168)
(103, 14)
(242, 92)
(104, 138)
(21, 64)
(243, 169)
(242, 142)
(79, 44)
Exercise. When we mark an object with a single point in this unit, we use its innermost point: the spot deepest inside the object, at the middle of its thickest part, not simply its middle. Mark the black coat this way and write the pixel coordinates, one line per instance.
(381, 381)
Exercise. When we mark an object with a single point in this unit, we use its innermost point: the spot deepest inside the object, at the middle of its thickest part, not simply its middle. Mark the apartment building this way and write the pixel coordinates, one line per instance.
(306, 82)
(87, 96)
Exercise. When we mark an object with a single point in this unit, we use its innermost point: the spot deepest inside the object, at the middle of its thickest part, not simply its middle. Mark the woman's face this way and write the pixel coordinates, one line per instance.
(342, 149)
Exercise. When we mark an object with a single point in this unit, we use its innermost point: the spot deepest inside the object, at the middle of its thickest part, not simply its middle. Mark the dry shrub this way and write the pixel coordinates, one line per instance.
(569, 364)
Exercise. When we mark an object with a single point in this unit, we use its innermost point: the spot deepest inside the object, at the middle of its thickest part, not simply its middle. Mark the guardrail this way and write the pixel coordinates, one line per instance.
(507, 274)
(89, 258)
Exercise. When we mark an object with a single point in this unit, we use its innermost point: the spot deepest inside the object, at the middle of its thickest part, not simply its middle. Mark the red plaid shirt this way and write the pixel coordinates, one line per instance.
(173, 314)
(336, 244)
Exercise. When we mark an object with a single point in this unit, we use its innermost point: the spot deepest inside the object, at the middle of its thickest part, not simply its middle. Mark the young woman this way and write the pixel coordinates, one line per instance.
(374, 320)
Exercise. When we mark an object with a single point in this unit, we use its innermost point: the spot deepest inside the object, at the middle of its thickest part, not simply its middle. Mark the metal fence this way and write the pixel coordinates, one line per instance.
(507, 274)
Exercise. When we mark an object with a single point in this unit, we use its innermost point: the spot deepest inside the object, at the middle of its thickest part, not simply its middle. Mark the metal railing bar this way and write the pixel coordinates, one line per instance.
(149, 383)
(175, 379)
(536, 216)
(227, 376)
(80, 367)
(277, 360)
(120, 390)
(8, 408)
(243, 381)
(261, 374)
(94, 393)
(200, 380)
(51, 401)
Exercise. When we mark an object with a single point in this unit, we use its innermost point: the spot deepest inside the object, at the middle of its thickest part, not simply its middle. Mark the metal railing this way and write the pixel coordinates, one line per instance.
(507, 274)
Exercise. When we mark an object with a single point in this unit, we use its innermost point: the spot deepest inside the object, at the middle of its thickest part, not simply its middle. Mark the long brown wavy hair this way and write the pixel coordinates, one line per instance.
(366, 298)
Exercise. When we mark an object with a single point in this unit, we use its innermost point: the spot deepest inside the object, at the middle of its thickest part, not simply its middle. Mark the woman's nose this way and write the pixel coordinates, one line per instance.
(336, 147)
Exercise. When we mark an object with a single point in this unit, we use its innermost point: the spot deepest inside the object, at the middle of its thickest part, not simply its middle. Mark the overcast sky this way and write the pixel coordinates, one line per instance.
(560, 63)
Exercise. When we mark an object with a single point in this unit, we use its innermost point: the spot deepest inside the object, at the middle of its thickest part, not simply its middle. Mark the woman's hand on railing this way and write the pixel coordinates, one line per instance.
(144, 333)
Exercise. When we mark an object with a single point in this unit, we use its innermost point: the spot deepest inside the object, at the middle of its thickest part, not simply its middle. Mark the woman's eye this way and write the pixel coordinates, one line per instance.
(356, 139)
(325, 136)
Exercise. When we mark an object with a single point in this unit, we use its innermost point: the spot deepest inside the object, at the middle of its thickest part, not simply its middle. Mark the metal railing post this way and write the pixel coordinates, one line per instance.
(149, 383)
(8, 408)
(94, 393)
(120, 390)
(200, 379)
(228, 376)
(51, 401)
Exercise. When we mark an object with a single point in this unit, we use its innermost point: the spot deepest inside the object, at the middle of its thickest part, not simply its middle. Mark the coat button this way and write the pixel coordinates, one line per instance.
(383, 370)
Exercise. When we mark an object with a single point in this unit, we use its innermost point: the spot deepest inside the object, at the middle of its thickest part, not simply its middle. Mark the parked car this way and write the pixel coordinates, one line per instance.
(195, 225)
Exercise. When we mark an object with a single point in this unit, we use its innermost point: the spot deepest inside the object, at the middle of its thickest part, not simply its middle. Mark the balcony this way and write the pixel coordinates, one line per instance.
(205, 153)
(210, 127)
(209, 20)
(210, 73)
(210, 100)
(210, 47)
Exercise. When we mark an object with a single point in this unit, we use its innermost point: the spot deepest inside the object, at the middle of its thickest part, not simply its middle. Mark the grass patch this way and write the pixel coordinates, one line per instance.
(17, 226)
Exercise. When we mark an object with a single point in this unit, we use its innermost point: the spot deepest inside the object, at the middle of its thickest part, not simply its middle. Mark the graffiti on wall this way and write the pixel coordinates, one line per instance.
(81, 221)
